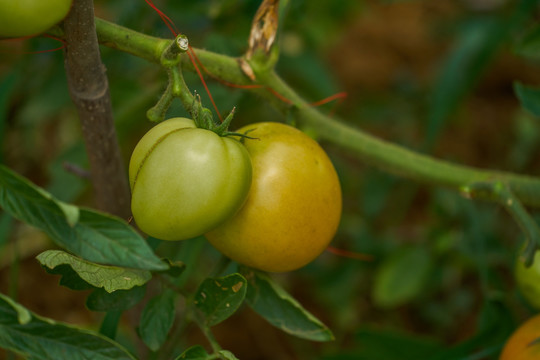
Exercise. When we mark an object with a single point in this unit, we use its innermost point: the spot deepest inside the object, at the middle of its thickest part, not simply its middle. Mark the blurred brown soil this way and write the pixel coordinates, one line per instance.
(387, 41)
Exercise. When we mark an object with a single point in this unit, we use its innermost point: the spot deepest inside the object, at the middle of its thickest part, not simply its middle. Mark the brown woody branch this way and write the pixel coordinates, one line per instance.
(89, 90)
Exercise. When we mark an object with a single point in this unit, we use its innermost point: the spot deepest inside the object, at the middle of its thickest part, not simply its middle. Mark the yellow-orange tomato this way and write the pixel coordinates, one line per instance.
(521, 345)
(293, 208)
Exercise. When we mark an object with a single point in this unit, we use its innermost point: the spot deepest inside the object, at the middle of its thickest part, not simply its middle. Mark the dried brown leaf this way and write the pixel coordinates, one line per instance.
(264, 28)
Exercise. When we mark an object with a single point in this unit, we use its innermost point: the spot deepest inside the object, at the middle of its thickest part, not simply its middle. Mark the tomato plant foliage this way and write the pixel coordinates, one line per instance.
(452, 87)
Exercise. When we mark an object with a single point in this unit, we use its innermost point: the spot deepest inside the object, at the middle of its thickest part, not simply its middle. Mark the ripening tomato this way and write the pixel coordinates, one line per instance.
(521, 344)
(294, 205)
(185, 181)
(528, 280)
(30, 17)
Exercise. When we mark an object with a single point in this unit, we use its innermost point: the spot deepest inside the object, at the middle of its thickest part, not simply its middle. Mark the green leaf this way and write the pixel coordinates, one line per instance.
(475, 48)
(120, 300)
(110, 278)
(219, 298)
(23, 315)
(401, 277)
(227, 355)
(196, 352)
(70, 278)
(34, 337)
(529, 45)
(529, 98)
(94, 236)
(157, 319)
(280, 309)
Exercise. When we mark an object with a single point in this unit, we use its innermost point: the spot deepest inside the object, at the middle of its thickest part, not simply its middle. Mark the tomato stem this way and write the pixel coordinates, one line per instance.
(157, 112)
(171, 55)
(392, 158)
(170, 59)
(499, 192)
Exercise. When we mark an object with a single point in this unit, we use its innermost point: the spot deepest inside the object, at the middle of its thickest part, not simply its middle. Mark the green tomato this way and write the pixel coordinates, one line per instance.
(294, 205)
(30, 17)
(528, 280)
(185, 181)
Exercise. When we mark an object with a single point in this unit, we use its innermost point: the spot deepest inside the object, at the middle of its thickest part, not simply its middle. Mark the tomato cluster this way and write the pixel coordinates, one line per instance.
(31, 17)
(272, 203)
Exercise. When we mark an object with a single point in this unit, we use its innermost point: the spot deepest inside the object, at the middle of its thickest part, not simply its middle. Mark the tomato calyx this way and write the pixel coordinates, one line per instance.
(204, 119)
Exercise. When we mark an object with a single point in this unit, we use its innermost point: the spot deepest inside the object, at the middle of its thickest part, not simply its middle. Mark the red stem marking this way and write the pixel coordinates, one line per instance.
(197, 64)
(349, 254)
(22, 38)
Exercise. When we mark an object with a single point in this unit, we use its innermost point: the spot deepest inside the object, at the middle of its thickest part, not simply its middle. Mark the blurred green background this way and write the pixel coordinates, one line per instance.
(434, 76)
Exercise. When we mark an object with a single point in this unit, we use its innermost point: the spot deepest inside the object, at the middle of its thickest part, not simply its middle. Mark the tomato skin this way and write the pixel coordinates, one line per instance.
(31, 17)
(185, 181)
(528, 280)
(294, 205)
(519, 345)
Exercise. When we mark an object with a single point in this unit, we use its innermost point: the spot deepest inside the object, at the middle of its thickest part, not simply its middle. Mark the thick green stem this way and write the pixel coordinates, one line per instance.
(157, 112)
(130, 41)
(109, 326)
(387, 156)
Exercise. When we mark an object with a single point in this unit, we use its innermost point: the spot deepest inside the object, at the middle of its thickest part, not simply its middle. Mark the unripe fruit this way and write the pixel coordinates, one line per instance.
(30, 17)
(185, 181)
(528, 280)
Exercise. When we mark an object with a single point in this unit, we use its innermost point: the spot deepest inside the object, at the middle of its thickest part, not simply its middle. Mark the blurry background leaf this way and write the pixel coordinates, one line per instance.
(527, 133)
(529, 45)
(529, 98)
(110, 278)
(196, 352)
(402, 277)
(384, 344)
(477, 44)
(157, 319)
